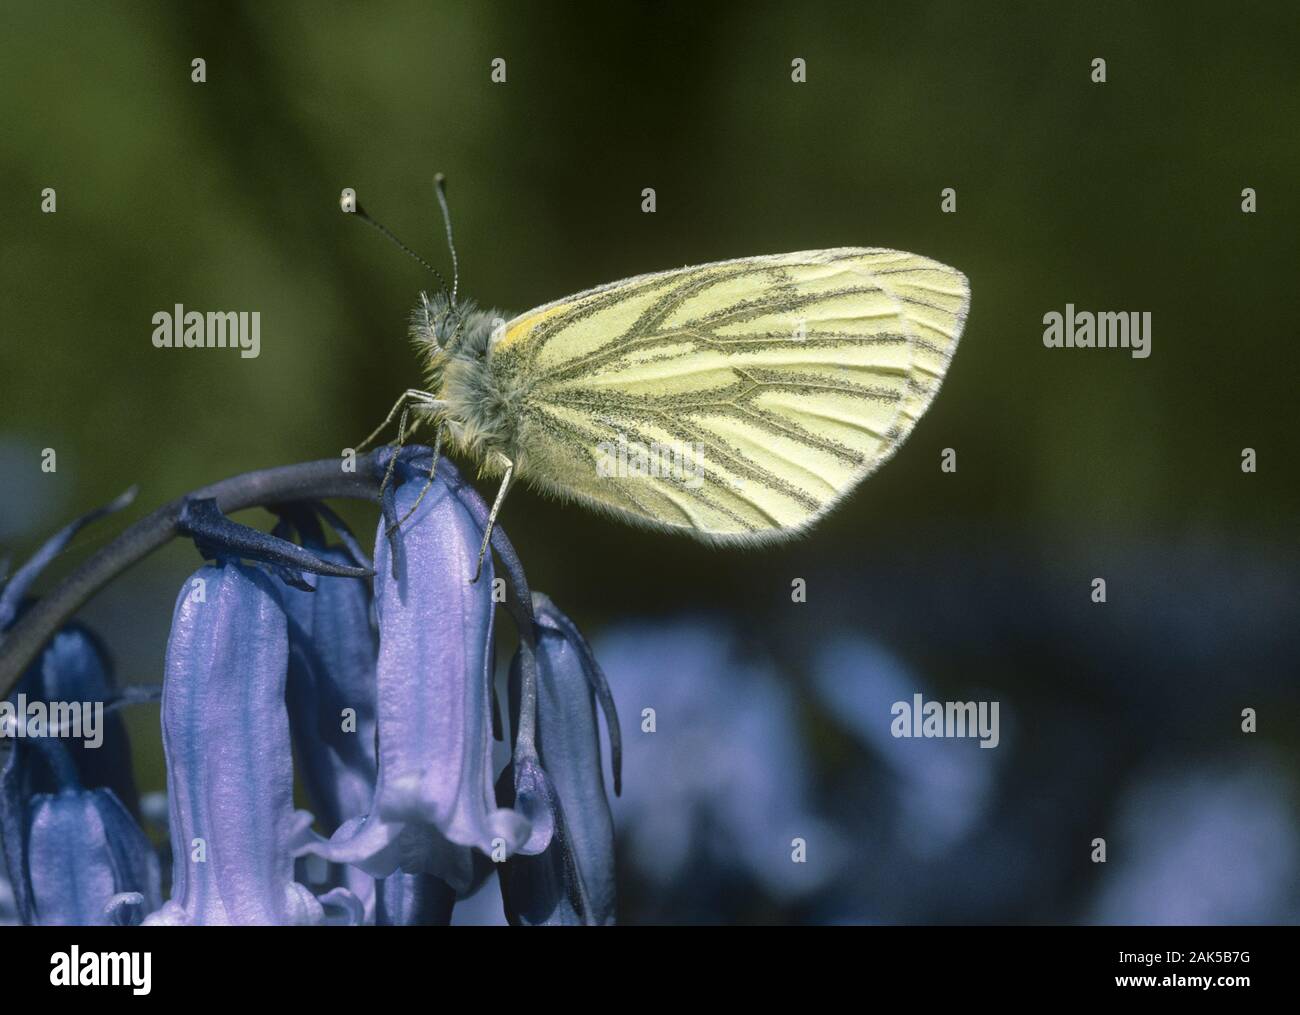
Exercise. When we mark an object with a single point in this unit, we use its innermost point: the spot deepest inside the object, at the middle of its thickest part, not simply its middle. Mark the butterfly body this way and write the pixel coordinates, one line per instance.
(735, 401)
(480, 404)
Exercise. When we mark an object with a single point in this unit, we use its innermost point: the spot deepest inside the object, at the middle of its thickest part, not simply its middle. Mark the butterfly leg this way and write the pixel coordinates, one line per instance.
(426, 402)
(433, 471)
(392, 459)
(410, 395)
(492, 515)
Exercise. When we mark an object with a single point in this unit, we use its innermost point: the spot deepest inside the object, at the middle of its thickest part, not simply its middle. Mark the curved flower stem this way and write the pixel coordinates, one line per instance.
(304, 481)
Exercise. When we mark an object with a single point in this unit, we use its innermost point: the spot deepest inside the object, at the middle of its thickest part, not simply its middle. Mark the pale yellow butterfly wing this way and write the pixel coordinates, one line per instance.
(762, 389)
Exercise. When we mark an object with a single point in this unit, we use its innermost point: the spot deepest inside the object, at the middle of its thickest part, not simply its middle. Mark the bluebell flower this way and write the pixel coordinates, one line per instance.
(74, 851)
(71, 669)
(74, 667)
(88, 862)
(333, 647)
(393, 719)
(434, 803)
(76, 855)
(225, 728)
(572, 881)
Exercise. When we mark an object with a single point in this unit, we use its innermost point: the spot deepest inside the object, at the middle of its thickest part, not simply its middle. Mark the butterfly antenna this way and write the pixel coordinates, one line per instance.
(440, 185)
(387, 233)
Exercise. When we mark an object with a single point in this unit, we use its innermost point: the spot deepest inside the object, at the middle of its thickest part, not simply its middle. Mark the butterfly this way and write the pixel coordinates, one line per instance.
(737, 402)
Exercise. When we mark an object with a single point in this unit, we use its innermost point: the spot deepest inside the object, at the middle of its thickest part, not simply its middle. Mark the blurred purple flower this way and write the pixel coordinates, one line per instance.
(722, 784)
(937, 789)
(229, 762)
(1204, 845)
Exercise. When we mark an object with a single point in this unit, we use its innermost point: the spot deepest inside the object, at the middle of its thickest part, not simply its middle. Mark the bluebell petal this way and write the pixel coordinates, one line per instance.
(333, 643)
(229, 762)
(543, 887)
(562, 648)
(90, 864)
(434, 799)
(414, 900)
(8, 904)
(331, 698)
(342, 908)
(534, 797)
(572, 882)
(331, 693)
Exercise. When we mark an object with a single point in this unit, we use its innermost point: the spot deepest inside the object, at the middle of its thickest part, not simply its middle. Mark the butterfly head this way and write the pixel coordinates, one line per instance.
(436, 324)
(440, 327)
(444, 332)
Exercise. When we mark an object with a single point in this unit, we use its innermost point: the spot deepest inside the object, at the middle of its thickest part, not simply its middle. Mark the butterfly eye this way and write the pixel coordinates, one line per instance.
(448, 329)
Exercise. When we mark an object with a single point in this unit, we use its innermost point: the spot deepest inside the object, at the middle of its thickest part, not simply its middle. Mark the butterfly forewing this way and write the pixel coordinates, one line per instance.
(738, 400)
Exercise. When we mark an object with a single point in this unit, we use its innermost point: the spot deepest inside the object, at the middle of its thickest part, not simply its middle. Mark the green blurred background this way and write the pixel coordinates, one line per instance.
(1071, 463)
